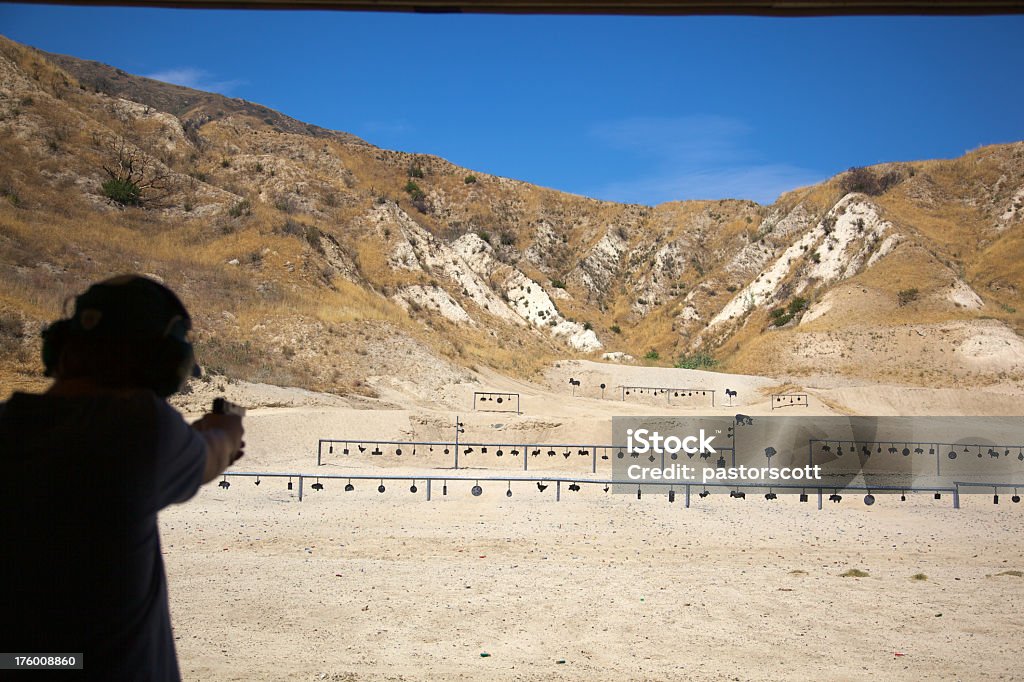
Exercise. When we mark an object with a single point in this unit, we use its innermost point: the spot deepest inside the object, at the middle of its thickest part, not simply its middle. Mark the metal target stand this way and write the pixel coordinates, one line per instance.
(669, 392)
(461, 449)
(495, 397)
(781, 400)
(736, 489)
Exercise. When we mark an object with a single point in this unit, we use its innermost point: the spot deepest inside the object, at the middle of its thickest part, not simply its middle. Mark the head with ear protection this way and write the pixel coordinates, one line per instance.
(128, 331)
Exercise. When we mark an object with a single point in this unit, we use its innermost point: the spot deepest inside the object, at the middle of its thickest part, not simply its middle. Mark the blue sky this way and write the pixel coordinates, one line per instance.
(636, 109)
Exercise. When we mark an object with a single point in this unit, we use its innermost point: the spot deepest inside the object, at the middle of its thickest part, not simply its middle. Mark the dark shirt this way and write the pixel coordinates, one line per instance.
(81, 482)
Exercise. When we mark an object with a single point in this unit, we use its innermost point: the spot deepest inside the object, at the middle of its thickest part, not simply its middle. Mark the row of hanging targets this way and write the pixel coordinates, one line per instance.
(661, 391)
(992, 452)
(477, 490)
(225, 483)
(868, 448)
(494, 397)
(515, 451)
(675, 455)
(398, 449)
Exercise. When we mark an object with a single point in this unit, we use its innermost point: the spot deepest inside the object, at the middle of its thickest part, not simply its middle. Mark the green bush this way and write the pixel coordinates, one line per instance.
(860, 179)
(485, 235)
(243, 207)
(696, 361)
(558, 284)
(616, 328)
(906, 296)
(310, 233)
(414, 191)
(470, 179)
(124, 192)
(796, 305)
(416, 171)
(652, 355)
(780, 316)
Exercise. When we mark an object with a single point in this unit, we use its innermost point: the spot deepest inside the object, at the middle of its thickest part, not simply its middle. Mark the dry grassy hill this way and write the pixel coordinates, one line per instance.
(313, 258)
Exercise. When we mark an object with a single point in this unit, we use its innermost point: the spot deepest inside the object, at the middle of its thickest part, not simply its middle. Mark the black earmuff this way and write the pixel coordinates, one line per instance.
(173, 363)
(174, 360)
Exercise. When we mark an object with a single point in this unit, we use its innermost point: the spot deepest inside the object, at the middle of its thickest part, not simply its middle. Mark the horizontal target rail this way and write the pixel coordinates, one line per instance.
(736, 488)
(457, 448)
(669, 391)
(929, 443)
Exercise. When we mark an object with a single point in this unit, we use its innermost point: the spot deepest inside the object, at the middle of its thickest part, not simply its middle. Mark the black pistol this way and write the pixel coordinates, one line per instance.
(224, 406)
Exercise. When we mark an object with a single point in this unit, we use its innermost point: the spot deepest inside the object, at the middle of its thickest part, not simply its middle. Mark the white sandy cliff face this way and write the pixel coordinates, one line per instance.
(596, 272)
(1014, 209)
(843, 243)
(962, 295)
(844, 248)
(526, 298)
(434, 298)
(496, 288)
(762, 289)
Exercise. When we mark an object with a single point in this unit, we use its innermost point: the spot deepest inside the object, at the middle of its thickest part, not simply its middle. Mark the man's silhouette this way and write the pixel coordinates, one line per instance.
(84, 469)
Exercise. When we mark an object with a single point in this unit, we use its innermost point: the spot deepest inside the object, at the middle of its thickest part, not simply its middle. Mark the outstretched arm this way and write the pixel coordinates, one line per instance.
(223, 435)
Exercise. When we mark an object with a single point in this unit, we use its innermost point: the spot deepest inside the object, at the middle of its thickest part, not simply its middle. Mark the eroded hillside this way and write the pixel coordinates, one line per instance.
(313, 258)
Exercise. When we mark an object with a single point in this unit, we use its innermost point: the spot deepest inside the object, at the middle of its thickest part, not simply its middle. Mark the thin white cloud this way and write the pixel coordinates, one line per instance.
(694, 139)
(197, 79)
(760, 183)
(695, 157)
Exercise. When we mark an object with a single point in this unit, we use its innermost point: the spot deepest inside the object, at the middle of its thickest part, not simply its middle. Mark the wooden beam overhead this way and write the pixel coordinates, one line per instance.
(777, 8)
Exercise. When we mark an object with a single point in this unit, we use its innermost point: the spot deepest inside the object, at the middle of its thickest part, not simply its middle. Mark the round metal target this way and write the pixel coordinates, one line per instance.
(477, 491)
(952, 454)
(413, 488)
(381, 488)
(500, 399)
(869, 499)
(508, 493)
(398, 451)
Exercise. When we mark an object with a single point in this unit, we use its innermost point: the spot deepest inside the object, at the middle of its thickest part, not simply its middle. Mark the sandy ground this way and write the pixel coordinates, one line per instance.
(368, 586)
